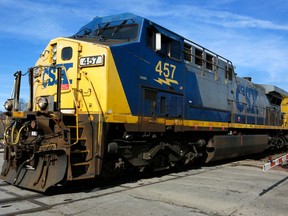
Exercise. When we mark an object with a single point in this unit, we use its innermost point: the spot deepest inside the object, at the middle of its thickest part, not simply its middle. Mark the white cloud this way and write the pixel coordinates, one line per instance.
(223, 18)
(38, 20)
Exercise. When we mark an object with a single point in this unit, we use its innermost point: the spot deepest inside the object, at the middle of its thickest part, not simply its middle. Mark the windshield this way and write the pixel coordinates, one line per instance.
(120, 32)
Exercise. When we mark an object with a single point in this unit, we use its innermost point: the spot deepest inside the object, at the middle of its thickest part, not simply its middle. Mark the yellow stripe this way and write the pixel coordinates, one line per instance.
(187, 123)
(252, 126)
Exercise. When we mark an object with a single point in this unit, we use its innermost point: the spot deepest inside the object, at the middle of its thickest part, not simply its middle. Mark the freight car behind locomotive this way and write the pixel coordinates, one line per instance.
(124, 91)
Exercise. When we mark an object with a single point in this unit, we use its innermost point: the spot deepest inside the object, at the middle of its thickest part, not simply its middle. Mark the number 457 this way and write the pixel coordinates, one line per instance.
(166, 69)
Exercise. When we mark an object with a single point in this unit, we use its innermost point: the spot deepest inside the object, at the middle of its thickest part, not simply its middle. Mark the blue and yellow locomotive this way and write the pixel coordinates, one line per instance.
(124, 91)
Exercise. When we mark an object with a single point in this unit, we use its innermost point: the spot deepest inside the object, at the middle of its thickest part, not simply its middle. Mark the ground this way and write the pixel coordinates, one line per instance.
(234, 188)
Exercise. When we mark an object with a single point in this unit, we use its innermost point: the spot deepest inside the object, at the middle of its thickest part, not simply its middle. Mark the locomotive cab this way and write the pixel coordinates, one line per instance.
(73, 85)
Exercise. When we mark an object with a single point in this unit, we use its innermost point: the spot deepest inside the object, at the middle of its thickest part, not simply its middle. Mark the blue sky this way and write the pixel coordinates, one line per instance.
(253, 34)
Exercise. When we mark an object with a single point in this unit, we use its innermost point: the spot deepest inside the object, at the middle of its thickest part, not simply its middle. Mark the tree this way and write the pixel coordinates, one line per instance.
(22, 104)
(2, 124)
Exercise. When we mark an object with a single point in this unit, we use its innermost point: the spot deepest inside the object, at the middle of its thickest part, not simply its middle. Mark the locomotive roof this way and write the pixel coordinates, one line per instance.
(99, 21)
(274, 89)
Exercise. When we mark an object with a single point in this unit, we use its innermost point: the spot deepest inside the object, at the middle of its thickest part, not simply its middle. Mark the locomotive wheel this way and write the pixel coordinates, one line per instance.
(160, 162)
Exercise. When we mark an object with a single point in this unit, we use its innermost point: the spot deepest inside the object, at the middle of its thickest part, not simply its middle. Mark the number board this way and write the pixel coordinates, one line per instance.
(91, 61)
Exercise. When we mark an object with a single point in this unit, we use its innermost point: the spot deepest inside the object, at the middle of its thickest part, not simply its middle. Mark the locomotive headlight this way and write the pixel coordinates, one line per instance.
(54, 53)
(8, 105)
(43, 103)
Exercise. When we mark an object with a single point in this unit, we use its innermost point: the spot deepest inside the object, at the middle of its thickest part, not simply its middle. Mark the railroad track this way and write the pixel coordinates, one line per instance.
(15, 201)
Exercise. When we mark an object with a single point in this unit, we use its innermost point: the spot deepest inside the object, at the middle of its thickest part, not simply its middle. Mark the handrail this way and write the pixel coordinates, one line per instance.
(75, 103)
(205, 49)
(204, 61)
(264, 110)
(94, 91)
(215, 64)
(99, 138)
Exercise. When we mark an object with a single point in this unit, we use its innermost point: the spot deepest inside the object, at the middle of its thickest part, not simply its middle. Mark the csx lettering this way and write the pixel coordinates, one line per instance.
(250, 95)
(49, 77)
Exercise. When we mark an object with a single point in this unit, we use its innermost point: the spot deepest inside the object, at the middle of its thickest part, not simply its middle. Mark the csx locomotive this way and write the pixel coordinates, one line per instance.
(126, 92)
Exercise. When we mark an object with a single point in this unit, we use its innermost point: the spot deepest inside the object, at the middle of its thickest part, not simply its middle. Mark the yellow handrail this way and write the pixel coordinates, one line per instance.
(76, 106)
(99, 106)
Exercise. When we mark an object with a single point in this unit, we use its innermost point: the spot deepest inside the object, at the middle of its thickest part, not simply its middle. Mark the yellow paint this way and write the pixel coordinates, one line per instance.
(100, 87)
(116, 99)
(94, 88)
(186, 123)
(68, 96)
(284, 109)
(18, 114)
(69, 92)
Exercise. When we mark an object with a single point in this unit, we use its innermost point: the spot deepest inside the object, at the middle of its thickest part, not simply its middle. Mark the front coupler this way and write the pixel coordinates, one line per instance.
(43, 170)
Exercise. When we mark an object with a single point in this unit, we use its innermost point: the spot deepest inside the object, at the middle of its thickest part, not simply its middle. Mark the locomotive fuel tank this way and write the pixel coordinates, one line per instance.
(233, 146)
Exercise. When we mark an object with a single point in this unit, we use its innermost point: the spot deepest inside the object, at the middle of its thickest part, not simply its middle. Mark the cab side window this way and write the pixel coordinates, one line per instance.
(169, 46)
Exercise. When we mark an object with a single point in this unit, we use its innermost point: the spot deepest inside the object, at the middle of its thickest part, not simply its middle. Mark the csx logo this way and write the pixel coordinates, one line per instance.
(49, 77)
(246, 94)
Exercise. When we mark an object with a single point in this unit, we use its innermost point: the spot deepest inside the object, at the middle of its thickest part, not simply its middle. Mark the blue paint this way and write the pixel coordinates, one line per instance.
(136, 62)
(248, 94)
(203, 114)
(51, 72)
(251, 96)
(113, 20)
(250, 119)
